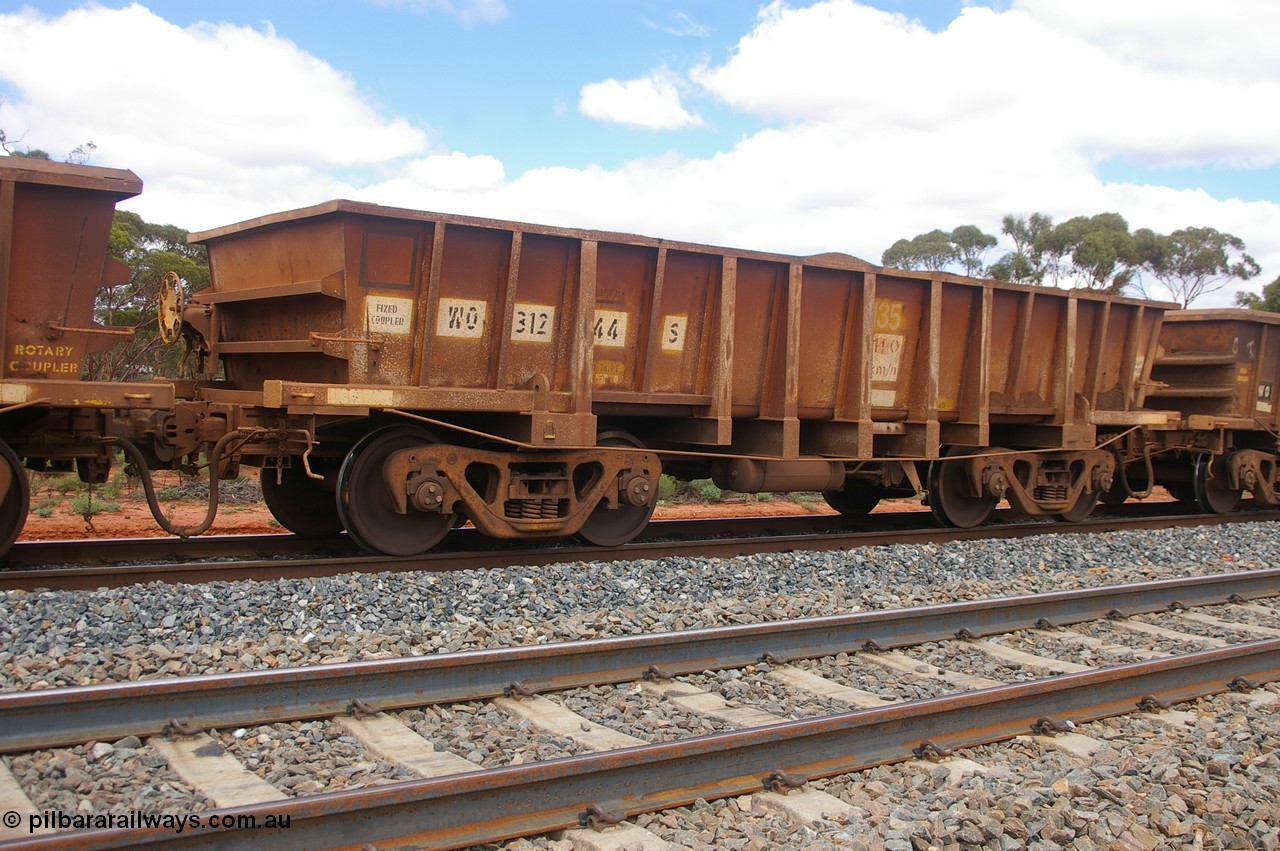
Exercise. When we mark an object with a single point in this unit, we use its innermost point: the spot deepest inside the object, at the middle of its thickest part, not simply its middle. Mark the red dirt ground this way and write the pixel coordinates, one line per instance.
(133, 520)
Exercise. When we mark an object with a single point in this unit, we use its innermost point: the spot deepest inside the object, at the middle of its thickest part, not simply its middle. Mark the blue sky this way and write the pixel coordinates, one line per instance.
(509, 86)
(804, 126)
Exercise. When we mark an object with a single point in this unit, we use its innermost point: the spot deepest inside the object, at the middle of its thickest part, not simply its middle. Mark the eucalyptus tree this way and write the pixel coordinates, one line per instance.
(150, 251)
(1192, 262)
(1269, 300)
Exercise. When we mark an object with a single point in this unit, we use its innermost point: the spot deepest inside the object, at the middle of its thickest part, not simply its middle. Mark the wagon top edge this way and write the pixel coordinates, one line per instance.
(828, 260)
(124, 183)
(363, 208)
(1223, 314)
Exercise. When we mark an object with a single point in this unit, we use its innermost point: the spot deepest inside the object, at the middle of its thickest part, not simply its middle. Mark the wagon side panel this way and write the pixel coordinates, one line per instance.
(54, 224)
(625, 280)
(760, 339)
(468, 307)
(685, 324)
(539, 343)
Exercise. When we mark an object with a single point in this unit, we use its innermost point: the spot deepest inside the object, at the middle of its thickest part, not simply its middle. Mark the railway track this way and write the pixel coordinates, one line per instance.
(609, 774)
(117, 563)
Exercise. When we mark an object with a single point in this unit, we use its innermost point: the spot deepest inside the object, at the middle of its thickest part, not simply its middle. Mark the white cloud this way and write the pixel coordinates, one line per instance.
(245, 113)
(1003, 112)
(1014, 71)
(426, 181)
(877, 127)
(1230, 40)
(652, 102)
(458, 172)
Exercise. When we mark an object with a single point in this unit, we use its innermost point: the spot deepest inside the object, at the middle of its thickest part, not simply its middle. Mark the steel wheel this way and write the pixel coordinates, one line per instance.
(1083, 508)
(853, 501)
(1213, 494)
(16, 501)
(300, 503)
(364, 501)
(950, 498)
(1127, 481)
(612, 527)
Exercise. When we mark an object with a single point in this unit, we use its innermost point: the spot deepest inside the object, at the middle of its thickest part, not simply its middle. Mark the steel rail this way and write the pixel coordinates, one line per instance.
(483, 806)
(106, 712)
(106, 551)
(671, 546)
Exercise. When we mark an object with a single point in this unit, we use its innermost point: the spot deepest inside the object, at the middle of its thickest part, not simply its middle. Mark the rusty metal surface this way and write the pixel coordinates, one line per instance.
(771, 354)
(1220, 370)
(73, 715)
(54, 223)
(549, 499)
(148, 395)
(484, 806)
(1221, 367)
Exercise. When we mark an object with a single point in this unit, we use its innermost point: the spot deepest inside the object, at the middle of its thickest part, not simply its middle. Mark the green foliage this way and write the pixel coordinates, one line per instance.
(697, 490)
(68, 485)
(1194, 261)
(1027, 263)
(1092, 252)
(937, 249)
(46, 506)
(170, 493)
(1269, 300)
(930, 251)
(87, 505)
(706, 490)
(149, 250)
(113, 486)
(667, 486)
(971, 245)
(1102, 252)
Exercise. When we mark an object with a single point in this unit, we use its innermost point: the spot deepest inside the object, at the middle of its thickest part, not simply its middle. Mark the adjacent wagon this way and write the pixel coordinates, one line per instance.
(55, 219)
(1219, 370)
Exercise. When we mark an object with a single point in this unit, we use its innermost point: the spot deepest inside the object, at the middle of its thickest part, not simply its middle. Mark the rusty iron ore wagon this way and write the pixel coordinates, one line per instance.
(1219, 369)
(395, 372)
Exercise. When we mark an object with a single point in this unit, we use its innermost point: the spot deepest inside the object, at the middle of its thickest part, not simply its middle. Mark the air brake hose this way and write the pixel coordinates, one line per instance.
(215, 460)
